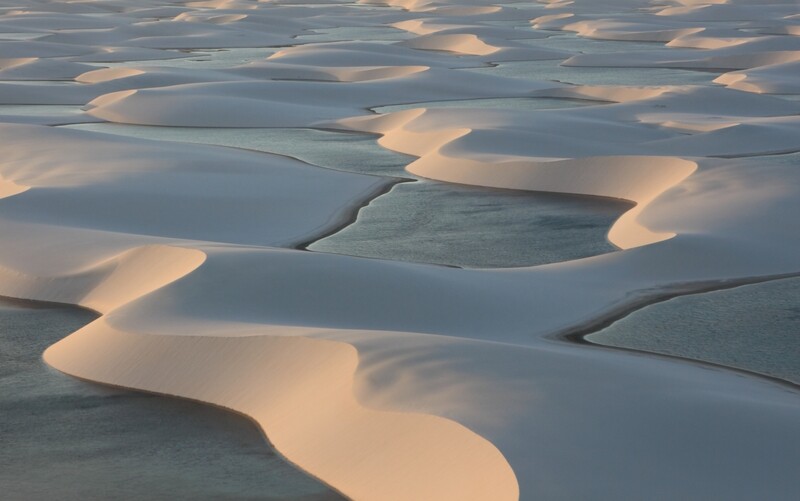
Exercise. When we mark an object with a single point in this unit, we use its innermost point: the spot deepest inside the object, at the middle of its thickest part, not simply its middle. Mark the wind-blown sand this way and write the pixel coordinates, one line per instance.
(392, 380)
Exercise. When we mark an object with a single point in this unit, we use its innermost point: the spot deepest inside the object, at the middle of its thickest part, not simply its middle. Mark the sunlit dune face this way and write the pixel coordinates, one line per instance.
(382, 230)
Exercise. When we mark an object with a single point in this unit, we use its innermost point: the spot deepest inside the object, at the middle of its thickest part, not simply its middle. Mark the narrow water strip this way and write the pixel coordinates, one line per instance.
(591, 75)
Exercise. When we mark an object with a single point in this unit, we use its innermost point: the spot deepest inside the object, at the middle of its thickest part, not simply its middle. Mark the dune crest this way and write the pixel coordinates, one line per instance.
(460, 44)
(308, 409)
(106, 74)
(399, 380)
(9, 188)
(109, 283)
(635, 178)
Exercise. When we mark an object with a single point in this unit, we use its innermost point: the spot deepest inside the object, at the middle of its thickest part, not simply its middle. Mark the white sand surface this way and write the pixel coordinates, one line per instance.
(392, 380)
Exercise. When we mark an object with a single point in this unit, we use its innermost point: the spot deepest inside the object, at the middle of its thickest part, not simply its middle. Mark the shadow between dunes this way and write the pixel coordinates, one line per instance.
(298, 390)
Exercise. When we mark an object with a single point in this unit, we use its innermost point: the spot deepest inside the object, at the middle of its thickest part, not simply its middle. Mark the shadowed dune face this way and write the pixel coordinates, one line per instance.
(392, 380)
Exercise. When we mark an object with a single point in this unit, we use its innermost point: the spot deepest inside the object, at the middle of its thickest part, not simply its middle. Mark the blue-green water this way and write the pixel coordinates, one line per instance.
(66, 439)
(476, 227)
(71, 440)
(574, 43)
(334, 150)
(40, 110)
(754, 327)
(355, 33)
(425, 221)
(202, 58)
(508, 103)
(552, 70)
(21, 36)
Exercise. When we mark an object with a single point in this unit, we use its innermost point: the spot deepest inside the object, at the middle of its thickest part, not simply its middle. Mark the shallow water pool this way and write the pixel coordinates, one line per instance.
(754, 327)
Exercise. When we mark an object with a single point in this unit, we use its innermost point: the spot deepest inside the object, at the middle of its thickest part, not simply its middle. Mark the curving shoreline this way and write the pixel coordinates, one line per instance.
(578, 334)
(397, 380)
(117, 442)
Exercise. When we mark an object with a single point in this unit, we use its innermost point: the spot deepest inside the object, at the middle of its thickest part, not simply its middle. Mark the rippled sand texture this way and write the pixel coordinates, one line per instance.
(393, 380)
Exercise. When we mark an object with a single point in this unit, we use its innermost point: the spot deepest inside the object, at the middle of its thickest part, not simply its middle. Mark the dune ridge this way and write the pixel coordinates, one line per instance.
(391, 380)
(303, 411)
(109, 283)
(311, 416)
(638, 179)
(356, 455)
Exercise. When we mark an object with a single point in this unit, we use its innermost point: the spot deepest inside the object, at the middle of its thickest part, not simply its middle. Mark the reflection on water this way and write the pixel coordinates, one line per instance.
(424, 221)
(755, 327)
(71, 440)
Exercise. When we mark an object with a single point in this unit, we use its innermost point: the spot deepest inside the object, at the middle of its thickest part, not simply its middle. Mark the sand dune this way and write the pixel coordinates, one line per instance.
(130, 185)
(9, 188)
(428, 27)
(622, 129)
(461, 44)
(292, 103)
(641, 32)
(393, 380)
(362, 53)
(638, 179)
(32, 68)
(769, 79)
(312, 415)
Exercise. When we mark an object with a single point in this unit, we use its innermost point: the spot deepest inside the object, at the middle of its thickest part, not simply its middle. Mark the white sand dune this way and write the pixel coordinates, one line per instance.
(641, 32)
(181, 35)
(312, 415)
(131, 184)
(621, 129)
(361, 54)
(467, 44)
(136, 78)
(431, 26)
(770, 79)
(40, 69)
(493, 49)
(293, 103)
(393, 380)
(44, 22)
